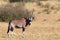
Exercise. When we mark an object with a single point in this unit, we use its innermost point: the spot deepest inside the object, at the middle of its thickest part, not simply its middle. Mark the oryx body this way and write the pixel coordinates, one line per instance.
(21, 23)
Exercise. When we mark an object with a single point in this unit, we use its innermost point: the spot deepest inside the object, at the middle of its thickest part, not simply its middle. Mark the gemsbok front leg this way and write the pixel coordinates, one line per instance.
(23, 31)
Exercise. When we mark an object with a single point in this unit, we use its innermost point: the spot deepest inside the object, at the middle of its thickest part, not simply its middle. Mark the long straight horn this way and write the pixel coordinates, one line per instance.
(32, 14)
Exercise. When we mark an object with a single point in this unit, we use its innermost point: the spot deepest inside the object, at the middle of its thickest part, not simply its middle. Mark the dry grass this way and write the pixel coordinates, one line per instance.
(39, 30)
(44, 27)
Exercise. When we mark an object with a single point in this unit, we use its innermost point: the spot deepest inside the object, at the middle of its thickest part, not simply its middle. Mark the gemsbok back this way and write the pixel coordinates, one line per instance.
(21, 23)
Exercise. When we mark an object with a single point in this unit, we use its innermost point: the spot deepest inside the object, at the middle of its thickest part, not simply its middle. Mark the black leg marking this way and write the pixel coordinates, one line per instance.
(23, 29)
(11, 29)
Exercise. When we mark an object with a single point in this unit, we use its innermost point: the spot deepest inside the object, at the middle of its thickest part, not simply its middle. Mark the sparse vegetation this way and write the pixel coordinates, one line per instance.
(9, 12)
(20, 0)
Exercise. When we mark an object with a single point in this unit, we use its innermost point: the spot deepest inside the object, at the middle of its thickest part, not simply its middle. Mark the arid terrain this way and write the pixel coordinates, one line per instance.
(44, 27)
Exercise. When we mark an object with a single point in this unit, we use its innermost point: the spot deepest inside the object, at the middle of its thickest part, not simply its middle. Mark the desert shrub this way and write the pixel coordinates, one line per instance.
(15, 0)
(20, 0)
(10, 13)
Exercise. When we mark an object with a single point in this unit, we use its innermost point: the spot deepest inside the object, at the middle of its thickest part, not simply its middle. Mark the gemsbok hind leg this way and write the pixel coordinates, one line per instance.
(10, 33)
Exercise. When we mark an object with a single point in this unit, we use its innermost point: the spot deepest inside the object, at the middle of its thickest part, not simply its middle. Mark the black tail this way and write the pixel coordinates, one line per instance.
(9, 27)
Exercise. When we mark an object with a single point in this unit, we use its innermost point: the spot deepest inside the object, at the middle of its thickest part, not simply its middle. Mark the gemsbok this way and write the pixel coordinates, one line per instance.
(21, 23)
